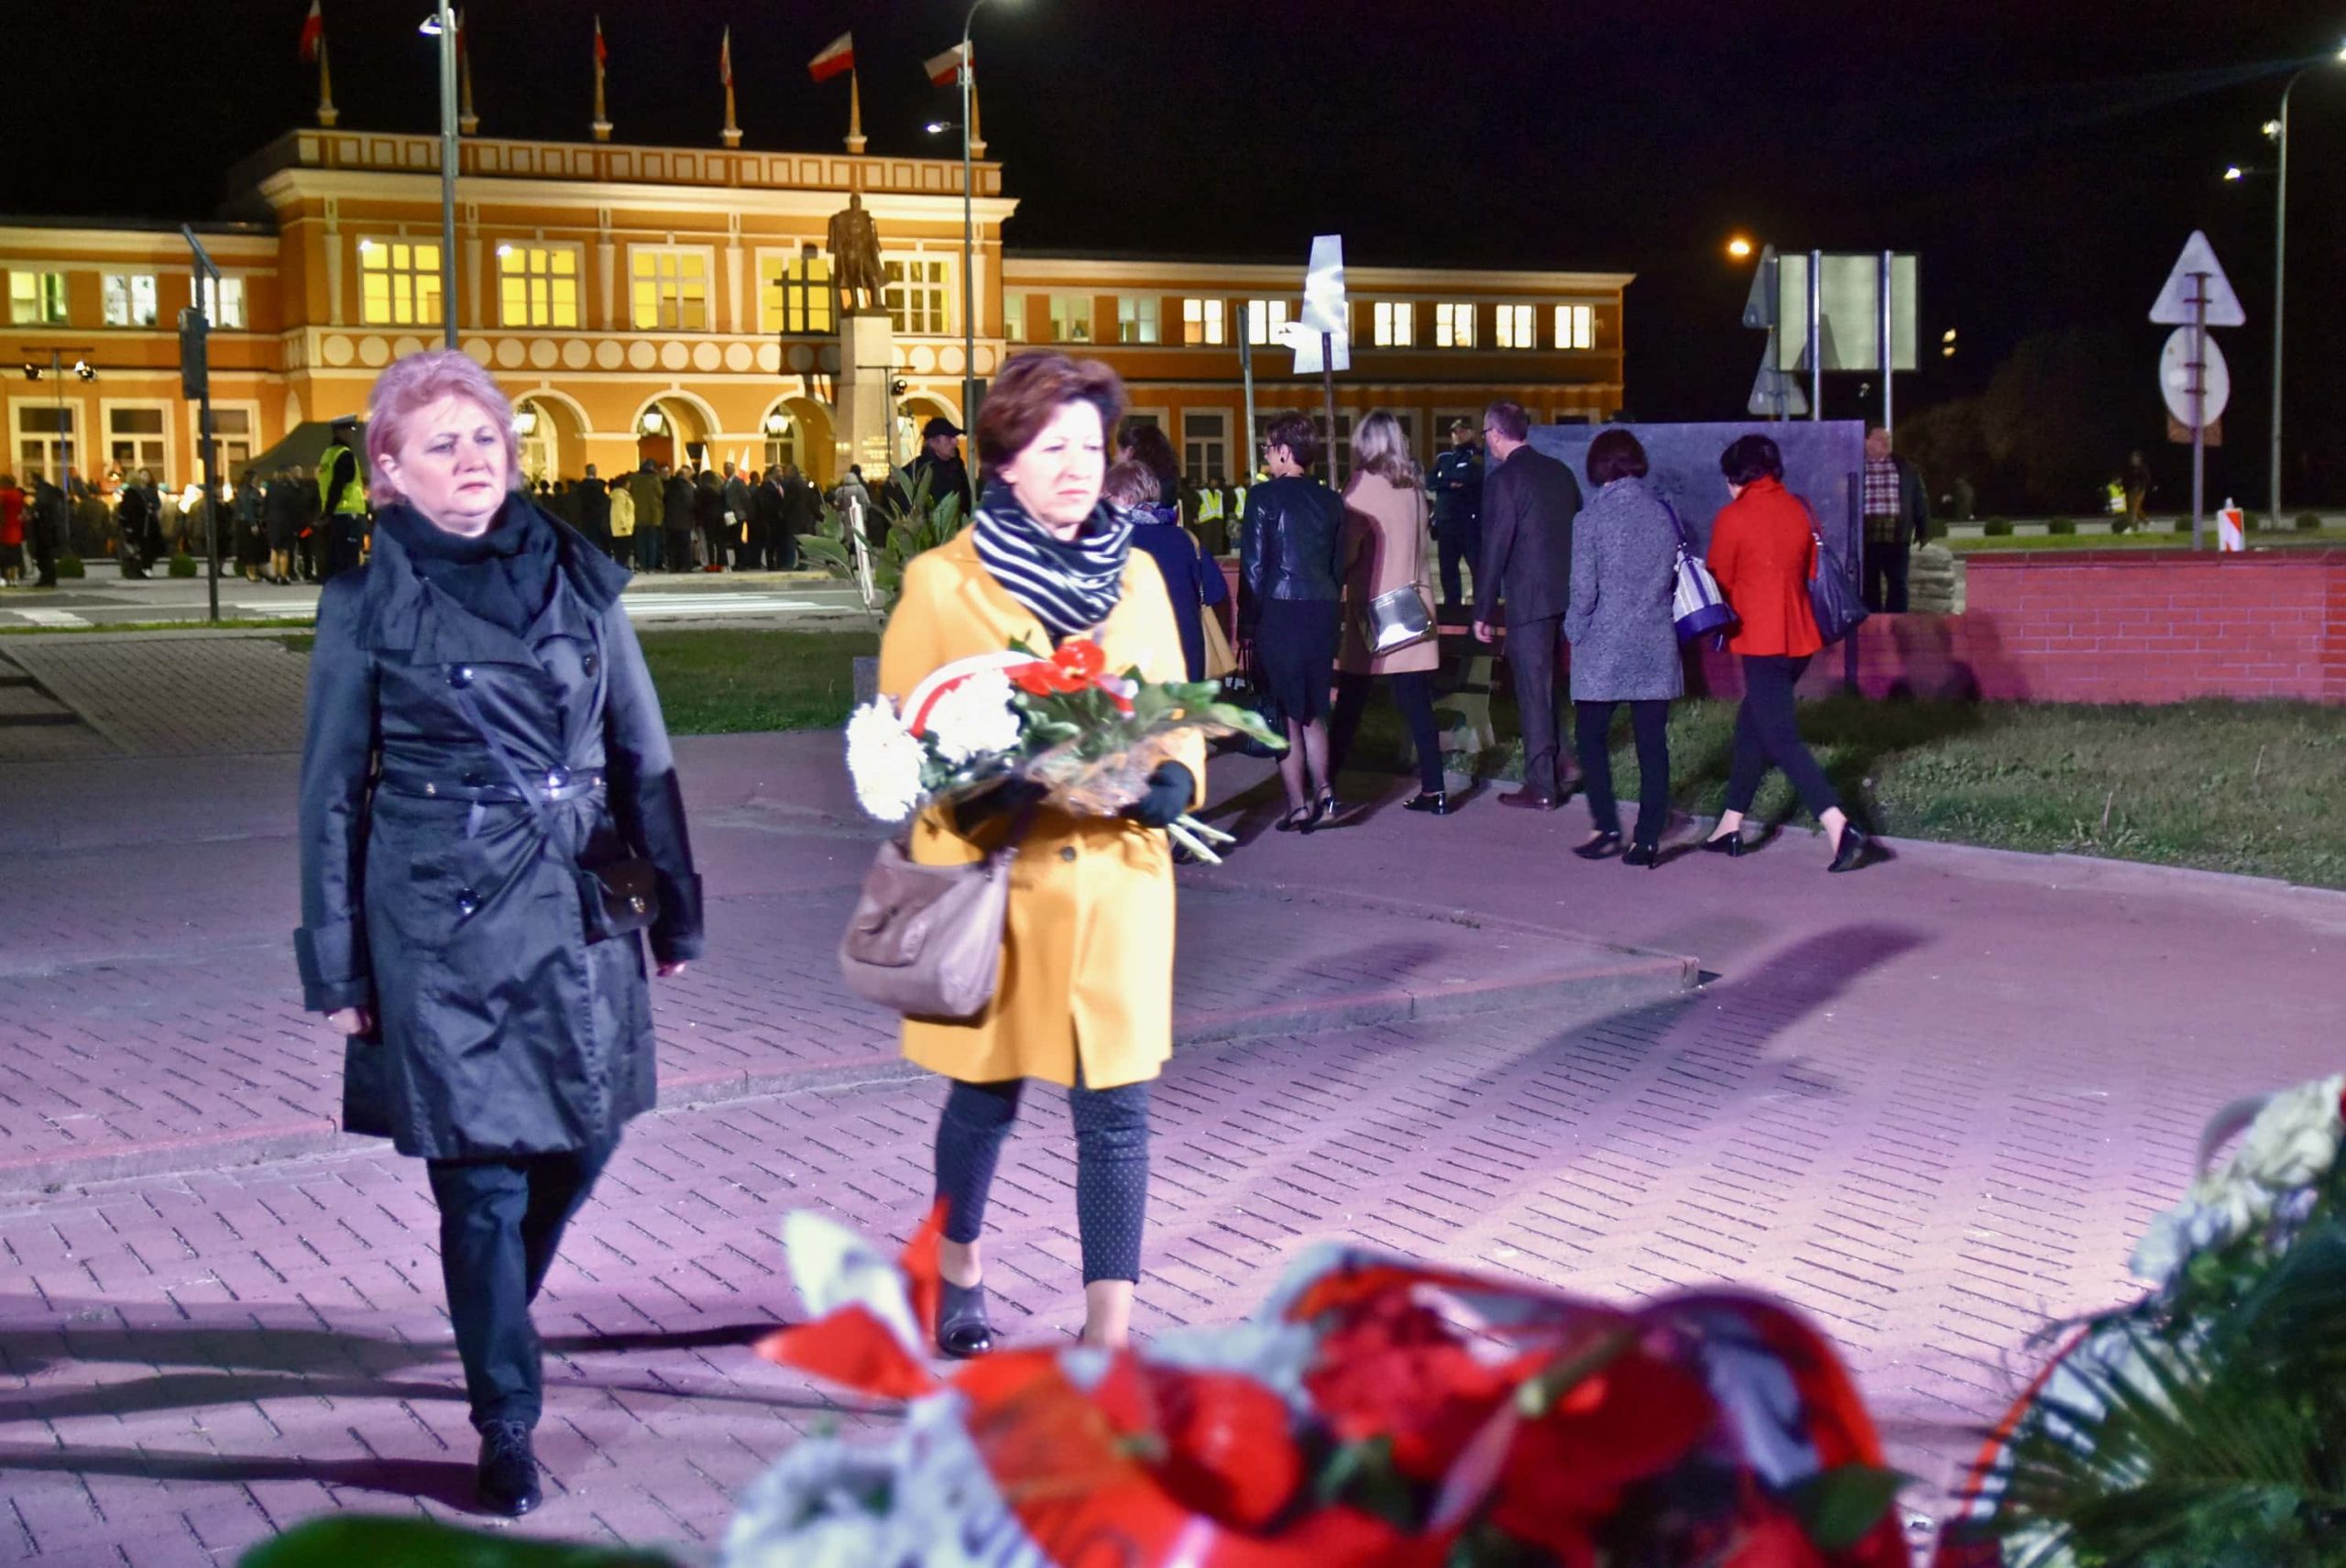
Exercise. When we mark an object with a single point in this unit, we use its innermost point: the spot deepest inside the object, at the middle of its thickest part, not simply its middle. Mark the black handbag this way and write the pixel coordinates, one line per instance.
(1833, 598)
(617, 898)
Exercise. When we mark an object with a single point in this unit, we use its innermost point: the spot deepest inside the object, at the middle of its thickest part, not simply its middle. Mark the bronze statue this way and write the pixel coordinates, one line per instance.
(854, 243)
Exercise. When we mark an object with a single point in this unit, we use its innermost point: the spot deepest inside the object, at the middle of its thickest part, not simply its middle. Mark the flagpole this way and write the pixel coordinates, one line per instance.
(732, 127)
(854, 111)
(968, 229)
(448, 156)
(327, 113)
(467, 121)
(602, 121)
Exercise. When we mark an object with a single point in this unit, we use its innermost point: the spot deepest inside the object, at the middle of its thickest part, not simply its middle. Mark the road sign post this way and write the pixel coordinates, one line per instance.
(2197, 296)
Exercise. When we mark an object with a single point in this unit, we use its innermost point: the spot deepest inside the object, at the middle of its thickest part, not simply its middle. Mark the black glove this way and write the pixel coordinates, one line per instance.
(1170, 789)
(1006, 798)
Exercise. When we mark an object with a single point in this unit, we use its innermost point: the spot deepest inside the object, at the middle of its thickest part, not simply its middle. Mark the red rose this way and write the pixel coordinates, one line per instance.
(1634, 1419)
(1229, 1452)
(1045, 678)
(1082, 658)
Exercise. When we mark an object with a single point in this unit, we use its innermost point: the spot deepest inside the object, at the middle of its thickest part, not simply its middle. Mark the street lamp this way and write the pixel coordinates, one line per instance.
(2279, 130)
(1738, 247)
(442, 25)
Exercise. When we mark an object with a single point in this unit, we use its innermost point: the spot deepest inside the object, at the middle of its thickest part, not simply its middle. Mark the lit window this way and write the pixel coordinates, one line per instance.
(1136, 318)
(795, 295)
(399, 283)
(1575, 326)
(45, 435)
(129, 299)
(224, 304)
(1454, 326)
(668, 289)
(1071, 318)
(135, 439)
(1396, 322)
(538, 284)
(1014, 317)
(37, 299)
(231, 429)
(915, 296)
(1264, 319)
(1201, 322)
(1516, 327)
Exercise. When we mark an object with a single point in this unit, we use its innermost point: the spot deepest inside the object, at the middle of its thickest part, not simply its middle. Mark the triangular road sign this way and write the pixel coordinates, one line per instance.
(1775, 392)
(2197, 273)
(1760, 309)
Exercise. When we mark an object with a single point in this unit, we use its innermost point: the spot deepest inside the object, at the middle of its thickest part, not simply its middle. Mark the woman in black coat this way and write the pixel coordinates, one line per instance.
(481, 727)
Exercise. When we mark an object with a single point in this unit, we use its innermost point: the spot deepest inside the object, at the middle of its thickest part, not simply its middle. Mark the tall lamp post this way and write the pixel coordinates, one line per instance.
(442, 25)
(2279, 131)
(969, 230)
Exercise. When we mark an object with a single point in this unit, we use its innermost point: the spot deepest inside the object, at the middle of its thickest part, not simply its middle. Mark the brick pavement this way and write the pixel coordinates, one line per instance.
(1931, 1105)
(164, 695)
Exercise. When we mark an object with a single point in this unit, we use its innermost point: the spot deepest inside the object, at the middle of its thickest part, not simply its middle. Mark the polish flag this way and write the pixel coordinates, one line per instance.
(460, 34)
(602, 50)
(944, 68)
(313, 32)
(838, 56)
(725, 58)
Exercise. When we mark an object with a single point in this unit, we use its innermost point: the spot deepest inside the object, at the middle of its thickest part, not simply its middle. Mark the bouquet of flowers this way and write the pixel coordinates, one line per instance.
(2205, 1423)
(1089, 738)
(1374, 1412)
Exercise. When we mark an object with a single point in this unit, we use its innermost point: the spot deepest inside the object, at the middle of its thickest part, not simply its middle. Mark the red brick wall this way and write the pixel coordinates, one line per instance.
(2110, 626)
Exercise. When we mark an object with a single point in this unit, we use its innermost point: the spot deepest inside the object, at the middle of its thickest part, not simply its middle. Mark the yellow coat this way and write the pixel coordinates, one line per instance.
(1087, 963)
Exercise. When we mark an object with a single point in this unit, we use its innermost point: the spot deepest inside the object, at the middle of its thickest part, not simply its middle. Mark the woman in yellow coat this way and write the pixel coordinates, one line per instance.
(1086, 992)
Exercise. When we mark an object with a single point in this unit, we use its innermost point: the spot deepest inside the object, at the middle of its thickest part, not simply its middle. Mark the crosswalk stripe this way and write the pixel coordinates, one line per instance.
(51, 616)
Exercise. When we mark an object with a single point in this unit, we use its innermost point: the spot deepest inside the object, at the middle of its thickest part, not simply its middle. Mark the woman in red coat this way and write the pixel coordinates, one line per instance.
(1763, 550)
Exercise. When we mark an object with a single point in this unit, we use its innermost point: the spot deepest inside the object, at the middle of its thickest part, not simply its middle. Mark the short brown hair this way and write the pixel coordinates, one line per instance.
(1508, 420)
(1295, 432)
(1615, 455)
(1130, 484)
(1028, 395)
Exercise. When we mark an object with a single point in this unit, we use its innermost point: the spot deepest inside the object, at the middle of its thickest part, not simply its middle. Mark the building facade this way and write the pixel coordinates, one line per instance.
(664, 302)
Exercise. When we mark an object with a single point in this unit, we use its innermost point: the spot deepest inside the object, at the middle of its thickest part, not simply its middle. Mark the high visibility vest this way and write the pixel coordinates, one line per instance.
(1209, 506)
(351, 495)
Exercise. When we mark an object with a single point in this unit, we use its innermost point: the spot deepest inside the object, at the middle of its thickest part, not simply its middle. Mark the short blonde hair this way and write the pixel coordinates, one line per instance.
(1131, 483)
(1380, 447)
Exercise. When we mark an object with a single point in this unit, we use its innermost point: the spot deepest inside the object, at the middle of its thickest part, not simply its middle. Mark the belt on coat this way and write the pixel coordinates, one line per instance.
(554, 784)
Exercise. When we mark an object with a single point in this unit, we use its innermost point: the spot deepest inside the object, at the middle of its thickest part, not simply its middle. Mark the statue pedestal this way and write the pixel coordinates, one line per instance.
(867, 363)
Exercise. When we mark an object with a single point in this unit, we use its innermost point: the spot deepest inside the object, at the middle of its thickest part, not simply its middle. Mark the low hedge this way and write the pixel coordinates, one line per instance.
(2308, 522)
(182, 565)
(2062, 525)
(71, 567)
(1998, 528)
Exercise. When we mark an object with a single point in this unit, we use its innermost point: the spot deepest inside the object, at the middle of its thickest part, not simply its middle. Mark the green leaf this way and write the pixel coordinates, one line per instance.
(360, 1540)
(1843, 1506)
(1362, 1476)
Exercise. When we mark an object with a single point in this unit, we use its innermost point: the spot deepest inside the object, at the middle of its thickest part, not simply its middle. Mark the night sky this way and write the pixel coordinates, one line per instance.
(2047, 159)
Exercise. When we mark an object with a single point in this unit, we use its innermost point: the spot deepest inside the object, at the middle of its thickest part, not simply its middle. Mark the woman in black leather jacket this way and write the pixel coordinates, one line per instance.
(1290, 606)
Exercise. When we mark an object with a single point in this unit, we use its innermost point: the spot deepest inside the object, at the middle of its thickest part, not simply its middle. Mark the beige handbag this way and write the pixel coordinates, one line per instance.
(927, 941)
(1221, 658)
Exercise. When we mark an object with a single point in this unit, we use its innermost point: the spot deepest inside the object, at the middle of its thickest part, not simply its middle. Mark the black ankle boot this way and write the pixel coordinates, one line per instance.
(507, 1479)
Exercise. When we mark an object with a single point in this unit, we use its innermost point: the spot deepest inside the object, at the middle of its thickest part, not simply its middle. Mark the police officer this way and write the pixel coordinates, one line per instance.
(342, 496)
(1457, 485)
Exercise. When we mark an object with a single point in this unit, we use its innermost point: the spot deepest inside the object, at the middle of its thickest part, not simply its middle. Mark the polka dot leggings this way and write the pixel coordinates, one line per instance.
(1111, 1167)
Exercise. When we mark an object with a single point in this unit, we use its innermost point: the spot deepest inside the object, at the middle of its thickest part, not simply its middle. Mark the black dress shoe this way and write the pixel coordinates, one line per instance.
(1852, 851)
(1434, 802)
(962, 1330)
(1525, 800)
(1599, 848)
(506, 1480)
(1296, 821)
(1641, 855)
(1726, 844)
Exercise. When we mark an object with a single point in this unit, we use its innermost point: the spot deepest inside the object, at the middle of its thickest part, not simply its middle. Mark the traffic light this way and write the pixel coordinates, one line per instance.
(194, 374)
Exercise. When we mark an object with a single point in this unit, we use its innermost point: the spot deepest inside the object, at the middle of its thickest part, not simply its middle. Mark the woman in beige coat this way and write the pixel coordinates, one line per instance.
(1086, 992)
(1387, 545)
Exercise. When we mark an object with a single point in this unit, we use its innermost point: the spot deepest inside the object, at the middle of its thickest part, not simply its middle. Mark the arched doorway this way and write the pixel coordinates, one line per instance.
(551, 437)
(798, 430)
(916, 409)
(673, 428)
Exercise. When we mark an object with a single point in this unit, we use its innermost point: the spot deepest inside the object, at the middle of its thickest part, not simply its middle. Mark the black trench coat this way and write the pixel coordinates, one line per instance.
(431, 894)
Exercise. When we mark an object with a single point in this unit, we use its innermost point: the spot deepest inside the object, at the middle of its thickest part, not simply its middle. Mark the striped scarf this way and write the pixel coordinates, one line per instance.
(1070, 586)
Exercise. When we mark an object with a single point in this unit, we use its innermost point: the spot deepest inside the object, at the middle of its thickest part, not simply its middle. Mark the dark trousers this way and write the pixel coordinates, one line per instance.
(782, 551)
(1413, 695)
(1650, 722)
(1460, 541)
(1884, 561)
(1111, 1167)
(715, 538)
(680, 549)
(45, 558)
(1766, 730)
(500, 1220)
(1534, 648)
(346, 532)
(648, 554)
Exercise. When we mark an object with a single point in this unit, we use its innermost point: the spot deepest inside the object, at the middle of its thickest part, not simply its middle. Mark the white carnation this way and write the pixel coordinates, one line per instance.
(2294, 1140)
(974, 719)
(885, 762)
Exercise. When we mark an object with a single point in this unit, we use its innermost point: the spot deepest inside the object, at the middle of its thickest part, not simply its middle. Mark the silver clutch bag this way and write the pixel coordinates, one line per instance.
(1397, 618)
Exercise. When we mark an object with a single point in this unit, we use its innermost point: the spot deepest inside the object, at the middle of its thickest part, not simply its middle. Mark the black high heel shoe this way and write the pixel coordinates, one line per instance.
(1647, 855)
(1324, 813)
(1599, 848)
(1728, 844)
(962, 1330)
(1851, 852)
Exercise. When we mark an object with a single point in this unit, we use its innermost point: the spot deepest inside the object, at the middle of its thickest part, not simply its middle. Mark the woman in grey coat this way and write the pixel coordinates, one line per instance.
(483, 740)
(1625, 640)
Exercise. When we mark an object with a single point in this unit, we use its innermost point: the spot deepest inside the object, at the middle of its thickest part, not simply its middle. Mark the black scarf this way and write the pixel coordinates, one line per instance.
(1072, 585)
(505, 577)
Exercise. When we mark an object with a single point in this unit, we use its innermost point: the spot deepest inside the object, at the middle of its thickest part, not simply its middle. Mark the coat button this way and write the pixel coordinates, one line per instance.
(557, 777)
(467, 903)
(460, 675)
(587, 663)
(1067, 853)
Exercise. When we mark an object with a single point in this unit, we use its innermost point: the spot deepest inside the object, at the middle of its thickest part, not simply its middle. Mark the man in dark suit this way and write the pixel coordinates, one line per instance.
(590, 506)
(1528, 502)
(769, 539)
